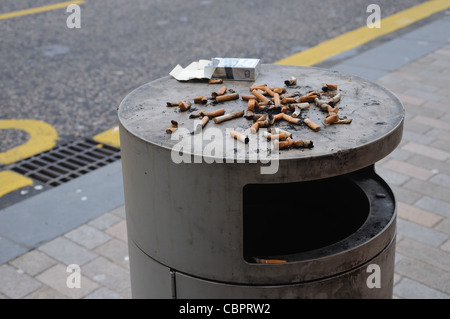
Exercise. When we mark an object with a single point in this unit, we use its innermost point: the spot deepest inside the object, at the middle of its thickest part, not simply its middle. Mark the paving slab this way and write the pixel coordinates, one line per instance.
(67, 252)
(16, 284)
(33, 221)
(410, 289)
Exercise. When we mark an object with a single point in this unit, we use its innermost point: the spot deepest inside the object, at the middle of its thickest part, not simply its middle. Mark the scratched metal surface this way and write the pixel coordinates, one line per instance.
(376, 113)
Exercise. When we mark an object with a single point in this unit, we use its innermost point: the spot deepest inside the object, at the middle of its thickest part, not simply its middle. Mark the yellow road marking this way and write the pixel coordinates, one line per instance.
(10, 181)
(39, 9)
(42, 138)
(109, 137)
(355, 38)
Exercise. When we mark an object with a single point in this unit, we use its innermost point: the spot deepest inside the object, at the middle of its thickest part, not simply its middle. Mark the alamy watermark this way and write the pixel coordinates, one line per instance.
(374, 279)
(213, 145)
(374, 19)
(73, 21)
(74, 279)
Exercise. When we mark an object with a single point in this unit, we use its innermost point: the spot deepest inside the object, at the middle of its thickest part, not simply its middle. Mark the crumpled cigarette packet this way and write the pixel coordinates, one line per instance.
(195, 70)
(227, 68)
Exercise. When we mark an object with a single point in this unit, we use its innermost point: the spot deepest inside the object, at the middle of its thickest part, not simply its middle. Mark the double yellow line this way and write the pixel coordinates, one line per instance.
(50, 7)
(360, 36)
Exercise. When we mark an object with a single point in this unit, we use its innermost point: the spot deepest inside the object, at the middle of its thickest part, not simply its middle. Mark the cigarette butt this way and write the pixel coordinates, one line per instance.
(260, 97)
(269, 91)
(215, 81)
(220, 91)
(291, 119)
(247, 97)
(229, 116)
(319, 103)
(331, 119)
(303, 144)
(257, 87)
(172, 129)
(262, 91)
(240, 137)
(200, 125)
(335, 99)
(184, 106)
(297, 112)
(197, 114)
(307, 98)
(284, 108)
(214, 113)
(287, 95)
(251, 104)
(269, 261)
(331, 109)
(205, 120)
(261, 106)
(279, 136)
(329, 87)
(344, 121)
(283, 144)
(313, 92)
(312, 125)
(277, 117)
(289, 100)
(277, 130)
(328, 108)
(291, 81)
(227, 97)
(200, 100)
(171, 104)
(255, 127)
(276, 99)
(279, 90)
(259, 117)
(264, 123)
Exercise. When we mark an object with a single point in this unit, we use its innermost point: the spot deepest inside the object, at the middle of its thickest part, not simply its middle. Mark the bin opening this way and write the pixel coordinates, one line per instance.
(291, 218)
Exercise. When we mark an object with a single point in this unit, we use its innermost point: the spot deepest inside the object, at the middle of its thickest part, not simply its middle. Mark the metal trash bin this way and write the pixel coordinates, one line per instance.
(200, 229)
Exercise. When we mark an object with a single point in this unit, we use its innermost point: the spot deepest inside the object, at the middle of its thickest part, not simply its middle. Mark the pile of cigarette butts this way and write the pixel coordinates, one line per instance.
(265, 106)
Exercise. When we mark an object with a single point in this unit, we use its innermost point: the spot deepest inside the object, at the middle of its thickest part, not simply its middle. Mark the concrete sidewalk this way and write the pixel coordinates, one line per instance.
(83, 222)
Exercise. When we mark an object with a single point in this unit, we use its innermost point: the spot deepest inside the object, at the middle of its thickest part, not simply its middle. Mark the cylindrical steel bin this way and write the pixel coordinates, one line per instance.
(200, 225)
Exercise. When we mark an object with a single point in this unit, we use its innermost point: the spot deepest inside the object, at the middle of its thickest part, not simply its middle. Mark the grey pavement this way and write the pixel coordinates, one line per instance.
(83, 222)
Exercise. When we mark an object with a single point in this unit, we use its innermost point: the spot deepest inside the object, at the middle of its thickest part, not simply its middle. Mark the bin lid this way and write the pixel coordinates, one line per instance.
(377, 116)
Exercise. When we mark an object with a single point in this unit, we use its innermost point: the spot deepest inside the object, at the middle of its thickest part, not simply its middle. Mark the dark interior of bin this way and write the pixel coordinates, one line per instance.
(291, 218)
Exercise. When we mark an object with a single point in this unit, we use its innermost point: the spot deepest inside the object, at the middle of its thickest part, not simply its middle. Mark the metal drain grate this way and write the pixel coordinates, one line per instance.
(66, 162)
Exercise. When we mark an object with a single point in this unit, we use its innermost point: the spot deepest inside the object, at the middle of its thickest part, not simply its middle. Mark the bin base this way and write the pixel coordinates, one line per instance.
(152, 280)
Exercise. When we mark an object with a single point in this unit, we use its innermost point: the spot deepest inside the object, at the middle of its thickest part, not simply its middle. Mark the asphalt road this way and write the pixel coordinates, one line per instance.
(74, 79)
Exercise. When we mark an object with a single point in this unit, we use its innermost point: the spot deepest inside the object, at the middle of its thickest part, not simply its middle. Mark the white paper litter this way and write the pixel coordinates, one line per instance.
(195, 70)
